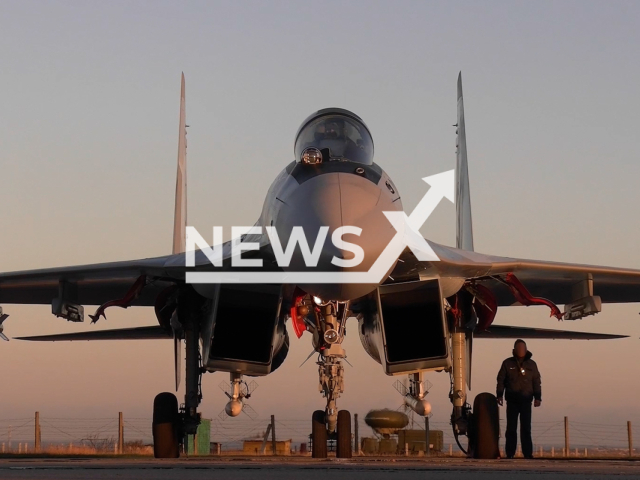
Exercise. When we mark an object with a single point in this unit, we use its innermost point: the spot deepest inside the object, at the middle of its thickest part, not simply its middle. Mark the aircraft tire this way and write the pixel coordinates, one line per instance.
(343, 446)
(318, 435)
(165, 426)
(486, 427)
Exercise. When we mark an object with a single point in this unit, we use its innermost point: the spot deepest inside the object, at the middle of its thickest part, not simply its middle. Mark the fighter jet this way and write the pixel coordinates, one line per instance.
(332, 242)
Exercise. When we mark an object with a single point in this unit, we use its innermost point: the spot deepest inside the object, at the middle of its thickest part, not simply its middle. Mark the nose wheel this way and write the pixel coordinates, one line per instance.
(343, 444)
(320, 435)
(332, 423)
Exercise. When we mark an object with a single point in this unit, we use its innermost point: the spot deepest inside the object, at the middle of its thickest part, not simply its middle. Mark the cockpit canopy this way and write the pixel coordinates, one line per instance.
(339, 134)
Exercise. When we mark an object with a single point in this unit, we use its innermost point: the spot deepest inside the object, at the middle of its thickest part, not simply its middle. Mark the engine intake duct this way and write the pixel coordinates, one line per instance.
(249, 334)
(404, 327)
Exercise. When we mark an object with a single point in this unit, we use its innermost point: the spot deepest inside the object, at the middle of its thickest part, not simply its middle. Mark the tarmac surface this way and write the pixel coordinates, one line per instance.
(367, 468)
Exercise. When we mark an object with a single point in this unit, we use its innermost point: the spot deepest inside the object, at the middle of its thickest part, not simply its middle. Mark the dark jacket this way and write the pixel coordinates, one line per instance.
(521, 387)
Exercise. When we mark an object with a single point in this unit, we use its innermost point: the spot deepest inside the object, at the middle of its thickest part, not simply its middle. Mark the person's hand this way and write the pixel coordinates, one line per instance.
(500, 401)
(536, 403)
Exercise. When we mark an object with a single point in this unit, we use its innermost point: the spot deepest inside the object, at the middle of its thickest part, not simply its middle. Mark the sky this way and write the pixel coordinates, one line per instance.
(88, 142)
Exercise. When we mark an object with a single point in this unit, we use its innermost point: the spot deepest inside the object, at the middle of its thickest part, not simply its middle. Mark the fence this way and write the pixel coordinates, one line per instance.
(120, 434)
(75, 435)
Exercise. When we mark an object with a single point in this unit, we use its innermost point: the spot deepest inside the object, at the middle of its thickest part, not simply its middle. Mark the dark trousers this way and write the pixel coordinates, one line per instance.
(523, 410)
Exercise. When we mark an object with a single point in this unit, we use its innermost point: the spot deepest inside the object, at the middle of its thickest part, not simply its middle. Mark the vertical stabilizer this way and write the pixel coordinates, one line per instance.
(464, 227)
(180, 215)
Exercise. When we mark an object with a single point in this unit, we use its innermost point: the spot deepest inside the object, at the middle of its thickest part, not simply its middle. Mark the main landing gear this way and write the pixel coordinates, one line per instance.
(482, 427)
(171, 424)
(328, 334)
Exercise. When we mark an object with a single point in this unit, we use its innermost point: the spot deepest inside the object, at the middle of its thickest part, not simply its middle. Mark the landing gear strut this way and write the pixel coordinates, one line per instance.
(193, 377)
(170, 424)
(482, 426)
(331, 318)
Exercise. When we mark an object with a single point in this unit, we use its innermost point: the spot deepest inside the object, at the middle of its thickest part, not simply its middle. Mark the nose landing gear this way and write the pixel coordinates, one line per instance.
(331, 423)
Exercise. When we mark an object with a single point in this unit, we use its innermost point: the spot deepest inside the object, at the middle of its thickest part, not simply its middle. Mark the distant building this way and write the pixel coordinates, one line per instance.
(416, 440)
(254, 447)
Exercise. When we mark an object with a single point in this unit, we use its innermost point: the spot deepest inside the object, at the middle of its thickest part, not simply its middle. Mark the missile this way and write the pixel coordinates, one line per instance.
(233, 408)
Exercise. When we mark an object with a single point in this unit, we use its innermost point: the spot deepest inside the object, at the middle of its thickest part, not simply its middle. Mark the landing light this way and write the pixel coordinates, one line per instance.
(311, 156)
(331, 336)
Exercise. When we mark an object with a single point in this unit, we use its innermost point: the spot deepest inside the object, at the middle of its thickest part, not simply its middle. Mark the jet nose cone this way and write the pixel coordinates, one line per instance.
(337, 200)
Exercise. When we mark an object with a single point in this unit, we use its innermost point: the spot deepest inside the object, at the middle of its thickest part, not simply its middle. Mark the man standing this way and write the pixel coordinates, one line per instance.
(519, 375)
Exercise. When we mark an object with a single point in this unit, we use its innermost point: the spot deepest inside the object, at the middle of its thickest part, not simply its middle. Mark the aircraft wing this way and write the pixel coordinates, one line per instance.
(99, 283)
(93, 284)
(558, 282)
